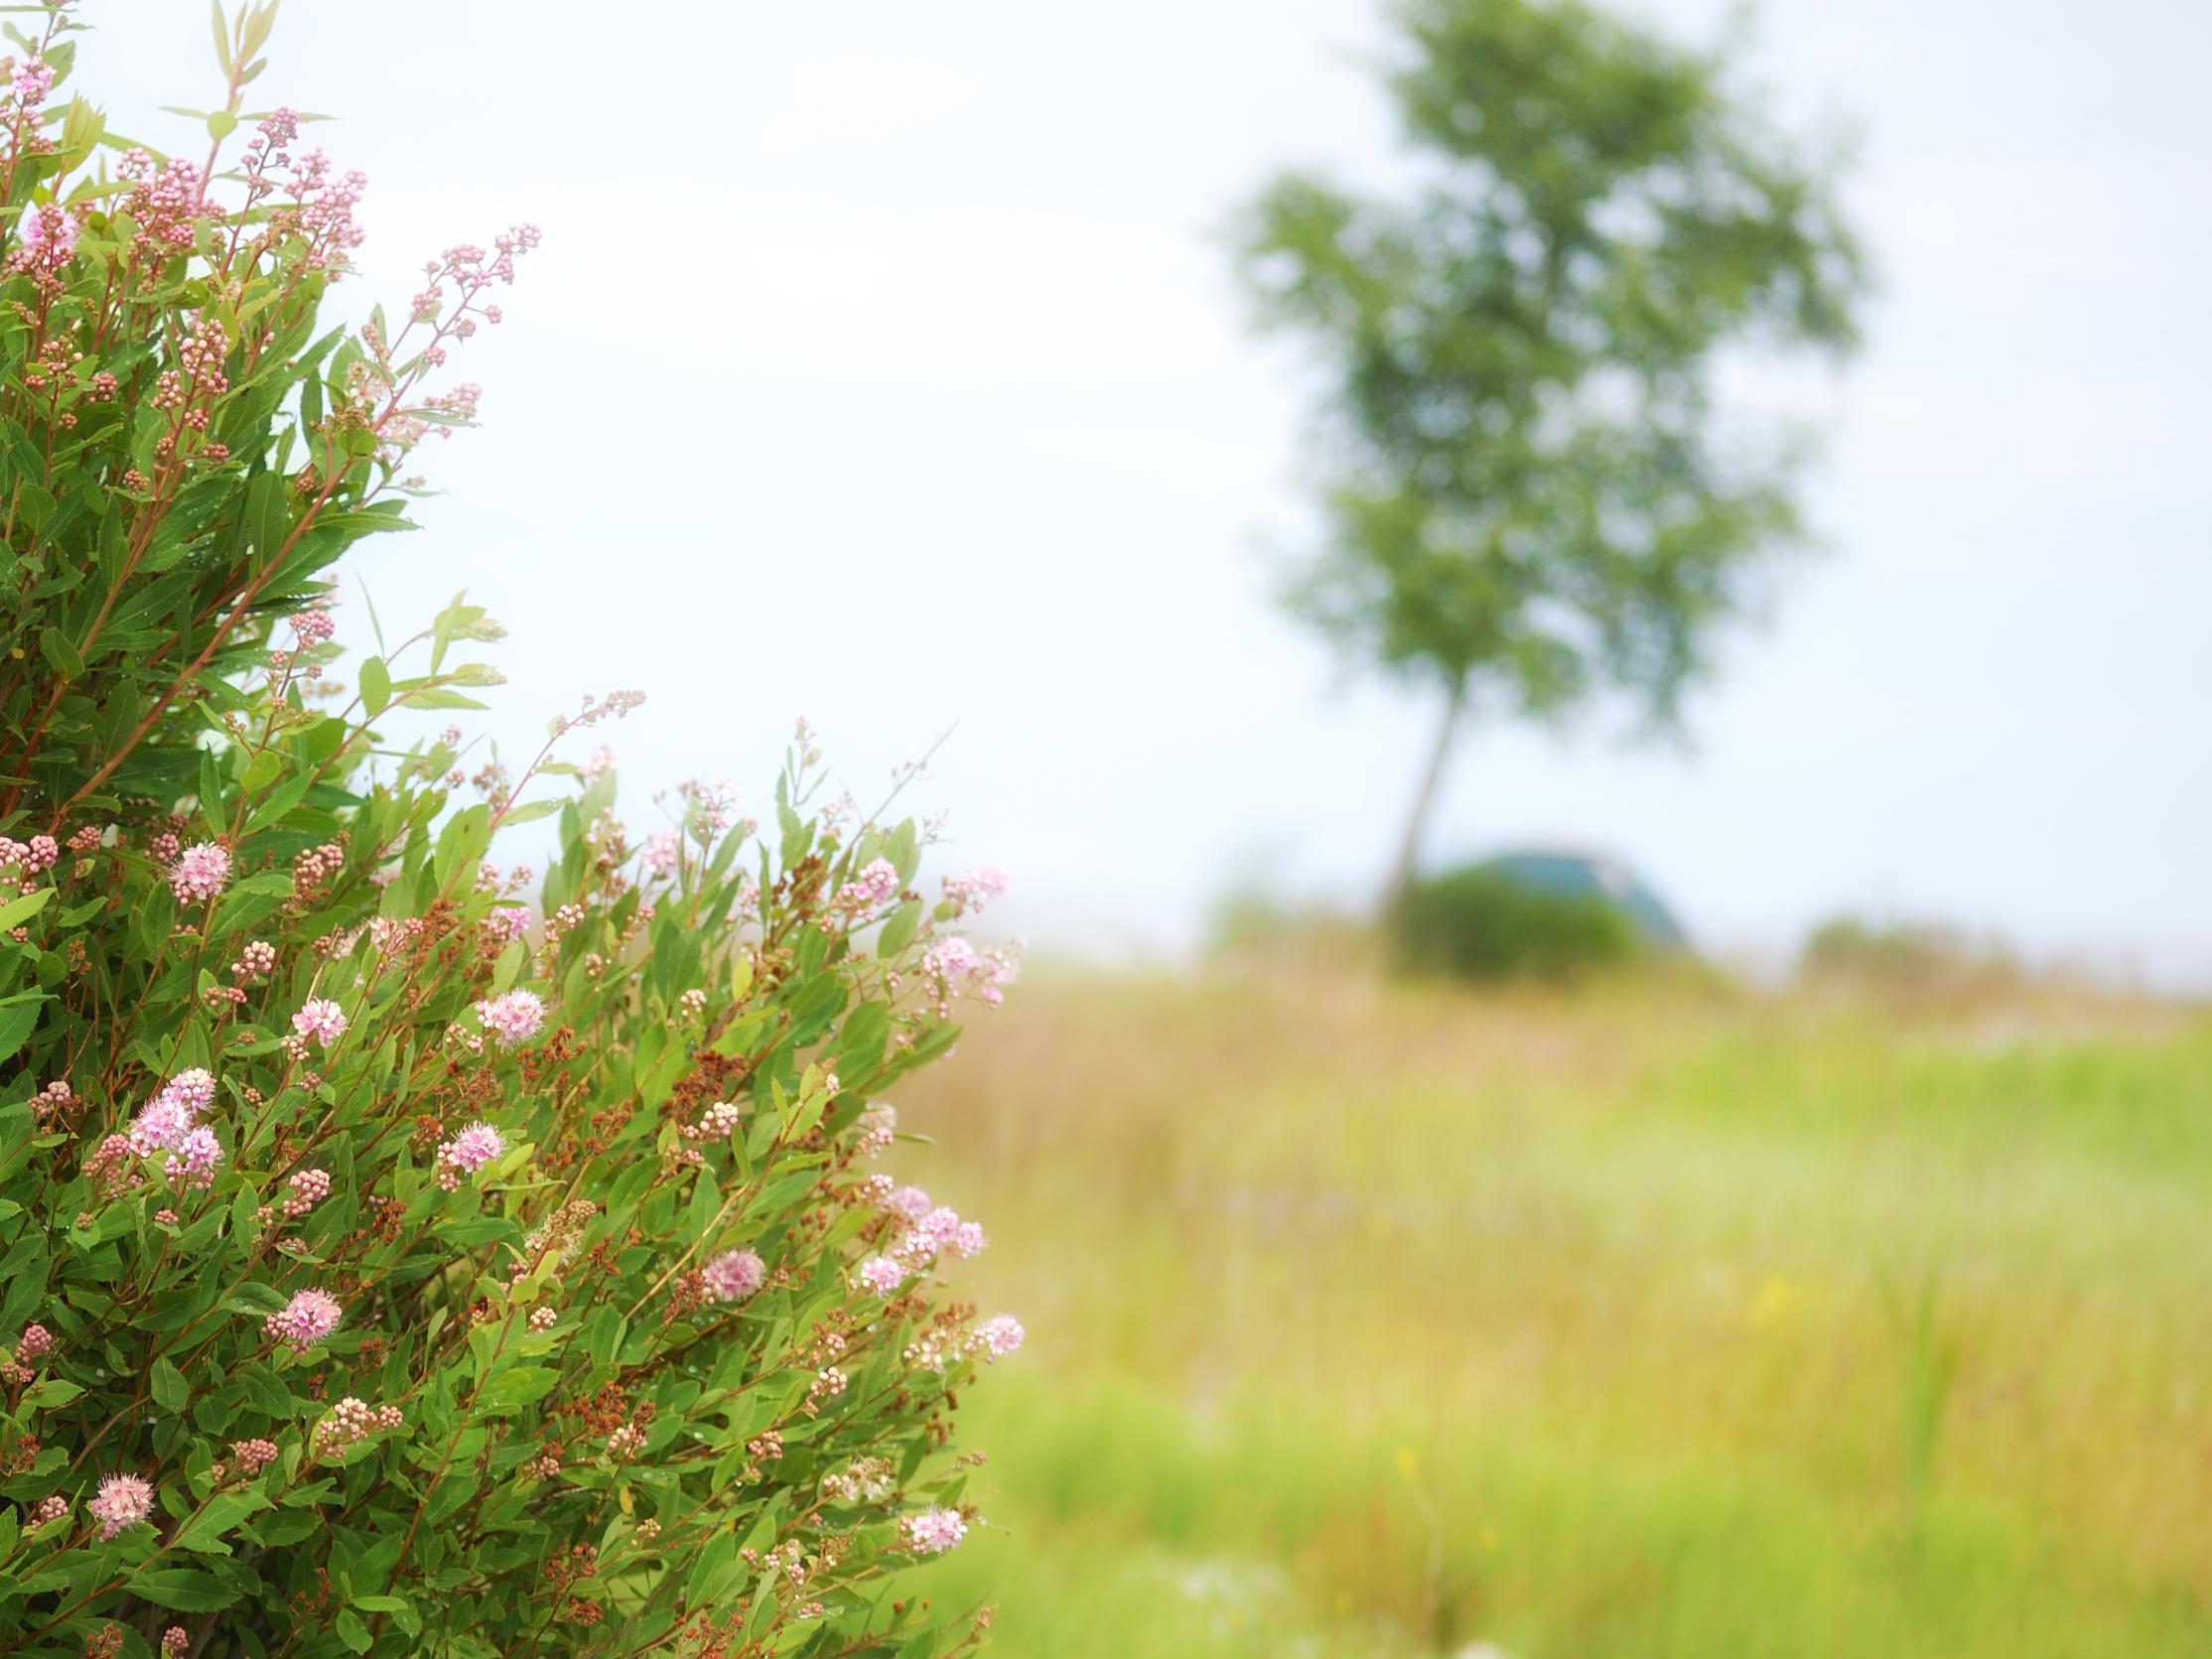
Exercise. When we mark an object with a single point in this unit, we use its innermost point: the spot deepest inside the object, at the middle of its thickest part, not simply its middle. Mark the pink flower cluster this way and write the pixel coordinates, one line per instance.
(714, 807)
(32, 81)
(734, 1274)
(305, 1321)
(863, 1481)
(513, 1018)
(955, 965)
(254, 1456)
(881, 1275)
(124, 1500)
(309, 1188)
(717, 1123)
(165, 206)
(45, 242)
(874, 886)
(170, 1123)
(878, 1125)
(933, 1531)
(202, 871)
(321, 1018)
(30, 856)
(353, 1418)
(996, 1337)
(35, 1342)
(932, 1231)
(193, 1164)
(466, 1153)
(980, 886)
(325, 205)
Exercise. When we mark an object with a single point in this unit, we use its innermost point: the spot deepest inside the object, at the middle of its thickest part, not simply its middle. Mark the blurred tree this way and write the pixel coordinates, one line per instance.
(1529, 500)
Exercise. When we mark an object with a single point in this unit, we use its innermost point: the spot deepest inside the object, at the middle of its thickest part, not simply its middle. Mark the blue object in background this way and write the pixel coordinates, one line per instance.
(1594, 876)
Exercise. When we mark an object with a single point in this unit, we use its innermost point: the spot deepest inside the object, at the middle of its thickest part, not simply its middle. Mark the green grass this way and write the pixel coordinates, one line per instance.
(1636, 1324)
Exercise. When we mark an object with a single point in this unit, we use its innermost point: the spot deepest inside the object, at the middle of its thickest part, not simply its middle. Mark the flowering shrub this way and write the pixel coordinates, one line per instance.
(400, 1254)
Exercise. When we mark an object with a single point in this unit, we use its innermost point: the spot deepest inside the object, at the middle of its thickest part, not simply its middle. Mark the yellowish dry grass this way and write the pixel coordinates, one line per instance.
(1643, 1322)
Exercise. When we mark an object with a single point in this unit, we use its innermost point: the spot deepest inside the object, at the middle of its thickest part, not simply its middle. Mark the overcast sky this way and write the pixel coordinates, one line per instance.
(880, 364)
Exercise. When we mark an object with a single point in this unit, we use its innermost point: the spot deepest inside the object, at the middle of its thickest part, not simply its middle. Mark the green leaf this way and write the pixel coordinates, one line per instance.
(529, 812)
(287, 795)
(17, 1019)
(169, 1391)
(898, 931)
(524, 1385)
(61, 654)
(16, 911)
(204, 1531)
(183, 1588)
(376, 686)
(402, 1610)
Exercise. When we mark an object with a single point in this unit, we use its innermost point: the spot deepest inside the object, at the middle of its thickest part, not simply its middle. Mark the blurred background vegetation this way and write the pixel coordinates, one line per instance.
(1655, 1316)
(1486, 1273)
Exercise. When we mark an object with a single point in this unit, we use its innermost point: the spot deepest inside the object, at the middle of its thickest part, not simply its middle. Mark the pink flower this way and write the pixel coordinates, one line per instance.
(878, 1125)
(909, 1202)
(956, 965)
(717, 1123)
(48, 237)
(509, 921)
(305, 1320)
(194, 1162)
(881, 1275)
(949, 960)
(162, 1126)
(309, 1188)
(874, 885)
(124, 1501)
(471, 1149)
(202, 871)
(352, 1418)
(734, 1274)
(193, 1090)
(36, 1340)
(996, 1337)
(998, 970)
(322, 1019)
(934, 1531)
(966, 1240)
(661, 853)
(938, 1226)
(977, 887)
(513, 1018)
(34, 79)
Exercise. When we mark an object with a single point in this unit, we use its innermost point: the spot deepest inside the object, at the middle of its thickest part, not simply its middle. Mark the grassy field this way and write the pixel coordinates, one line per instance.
(1371, 1321)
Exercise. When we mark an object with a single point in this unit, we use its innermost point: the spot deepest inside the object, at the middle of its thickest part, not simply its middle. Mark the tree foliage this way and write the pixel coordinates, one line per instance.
(1531, 499)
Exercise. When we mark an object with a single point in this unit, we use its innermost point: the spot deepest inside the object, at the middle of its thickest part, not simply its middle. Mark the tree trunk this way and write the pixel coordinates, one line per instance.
(1409, 847)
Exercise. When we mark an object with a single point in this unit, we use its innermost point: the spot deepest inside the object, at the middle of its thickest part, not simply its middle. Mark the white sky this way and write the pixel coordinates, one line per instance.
(880, 364)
